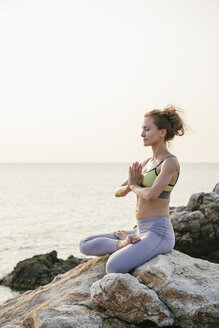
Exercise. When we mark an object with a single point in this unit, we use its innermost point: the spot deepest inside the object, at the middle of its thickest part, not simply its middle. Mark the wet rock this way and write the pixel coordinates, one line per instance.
(38, 271)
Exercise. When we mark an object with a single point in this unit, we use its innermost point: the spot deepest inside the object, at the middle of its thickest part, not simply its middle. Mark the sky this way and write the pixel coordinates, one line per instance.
(76, 78)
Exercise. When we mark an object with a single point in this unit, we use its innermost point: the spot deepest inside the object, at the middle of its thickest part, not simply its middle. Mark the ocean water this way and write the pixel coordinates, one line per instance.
(45, 207)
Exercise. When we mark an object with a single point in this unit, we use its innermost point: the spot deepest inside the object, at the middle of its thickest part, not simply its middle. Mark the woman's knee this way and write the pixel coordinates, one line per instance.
(82, 246)
(168, 246)
(172, 244)
(114, 265)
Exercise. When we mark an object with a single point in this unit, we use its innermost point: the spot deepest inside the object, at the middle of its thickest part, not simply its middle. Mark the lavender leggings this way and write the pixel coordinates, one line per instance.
(157, 237)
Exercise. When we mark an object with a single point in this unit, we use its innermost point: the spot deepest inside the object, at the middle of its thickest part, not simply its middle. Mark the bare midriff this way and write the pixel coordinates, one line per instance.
(148, 208)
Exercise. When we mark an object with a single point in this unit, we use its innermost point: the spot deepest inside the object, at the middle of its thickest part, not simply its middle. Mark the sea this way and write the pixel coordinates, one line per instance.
(46, 207)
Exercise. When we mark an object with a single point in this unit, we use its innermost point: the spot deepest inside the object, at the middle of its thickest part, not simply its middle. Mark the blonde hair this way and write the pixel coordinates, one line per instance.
(168, 118)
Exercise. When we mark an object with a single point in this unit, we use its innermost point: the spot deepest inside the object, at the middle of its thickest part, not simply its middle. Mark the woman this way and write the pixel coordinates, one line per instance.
(152, 181)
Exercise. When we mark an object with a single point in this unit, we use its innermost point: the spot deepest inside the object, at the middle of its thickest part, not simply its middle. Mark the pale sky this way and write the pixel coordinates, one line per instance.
(76, 77)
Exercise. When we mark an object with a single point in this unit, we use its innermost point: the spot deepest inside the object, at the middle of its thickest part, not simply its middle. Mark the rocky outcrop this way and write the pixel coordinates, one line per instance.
(170, 289)
(65, 302)
(196, 226)
(187, 286)
(123, 296)
(38, 271)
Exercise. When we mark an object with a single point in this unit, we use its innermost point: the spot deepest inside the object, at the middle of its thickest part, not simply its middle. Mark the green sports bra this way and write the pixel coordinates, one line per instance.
(150, 176)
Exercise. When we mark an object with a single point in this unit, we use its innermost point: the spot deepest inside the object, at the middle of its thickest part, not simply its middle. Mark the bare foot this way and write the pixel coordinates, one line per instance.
(121, 244)
(121, 234)
(130, 239)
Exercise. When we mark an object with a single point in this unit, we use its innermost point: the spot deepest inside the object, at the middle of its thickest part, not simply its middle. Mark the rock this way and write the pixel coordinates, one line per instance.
(65, 302)
(216, 188)
(187, 286)
(38, 271)
(169, 288)
(195, 201)
(177, 209)
(197, 226)
(124, 297)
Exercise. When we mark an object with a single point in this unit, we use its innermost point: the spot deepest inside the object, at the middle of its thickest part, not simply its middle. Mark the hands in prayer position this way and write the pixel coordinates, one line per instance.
(135, 176)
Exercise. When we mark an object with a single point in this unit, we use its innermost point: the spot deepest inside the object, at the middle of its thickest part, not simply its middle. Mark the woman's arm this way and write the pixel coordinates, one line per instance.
(122, 190)
(168, 169)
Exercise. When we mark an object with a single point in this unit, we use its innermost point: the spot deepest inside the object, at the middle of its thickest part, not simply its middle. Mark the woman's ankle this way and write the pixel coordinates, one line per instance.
(121, 244)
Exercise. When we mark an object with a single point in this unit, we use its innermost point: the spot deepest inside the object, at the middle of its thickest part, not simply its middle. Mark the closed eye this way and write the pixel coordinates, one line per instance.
(144, 128)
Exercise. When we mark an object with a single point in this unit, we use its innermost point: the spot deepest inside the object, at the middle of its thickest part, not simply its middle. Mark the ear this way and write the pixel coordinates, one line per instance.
(163, 132)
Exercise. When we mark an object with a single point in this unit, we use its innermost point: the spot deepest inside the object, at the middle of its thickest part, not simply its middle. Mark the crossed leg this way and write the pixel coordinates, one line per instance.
(101, 244)
(133, 255)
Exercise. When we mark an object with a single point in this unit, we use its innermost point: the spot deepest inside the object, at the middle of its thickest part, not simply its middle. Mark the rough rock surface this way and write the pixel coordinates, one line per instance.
(64, 303)
(187, 286)
(38, 271)
(196, 226)
(172, 287)
(132, 301)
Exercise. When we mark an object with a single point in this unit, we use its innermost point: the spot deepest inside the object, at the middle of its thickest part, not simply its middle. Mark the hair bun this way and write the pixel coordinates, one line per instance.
(169, 110)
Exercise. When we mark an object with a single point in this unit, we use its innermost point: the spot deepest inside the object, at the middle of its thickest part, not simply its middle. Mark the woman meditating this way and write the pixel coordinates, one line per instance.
(152, 181)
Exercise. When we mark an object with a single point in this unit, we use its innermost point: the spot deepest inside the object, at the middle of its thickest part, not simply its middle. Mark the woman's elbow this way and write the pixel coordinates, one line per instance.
(151, 196)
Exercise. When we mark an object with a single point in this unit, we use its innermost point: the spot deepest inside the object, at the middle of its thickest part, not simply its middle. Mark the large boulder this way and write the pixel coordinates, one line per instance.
(123, 296)
(187, 286)
(196, 226)
(38, 271)
(170, 289)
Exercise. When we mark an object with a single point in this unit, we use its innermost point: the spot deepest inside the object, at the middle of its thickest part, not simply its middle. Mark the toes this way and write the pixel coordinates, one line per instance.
(135, 239)
(129, 239)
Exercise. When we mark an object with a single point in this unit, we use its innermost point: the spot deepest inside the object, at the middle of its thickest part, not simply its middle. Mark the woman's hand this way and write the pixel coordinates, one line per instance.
(135, 176)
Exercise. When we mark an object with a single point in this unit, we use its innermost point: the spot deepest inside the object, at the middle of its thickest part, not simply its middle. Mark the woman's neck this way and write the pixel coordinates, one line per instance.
(159, 151)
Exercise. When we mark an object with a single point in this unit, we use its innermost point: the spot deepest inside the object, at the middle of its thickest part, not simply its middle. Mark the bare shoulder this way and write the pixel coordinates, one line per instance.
(171, 162)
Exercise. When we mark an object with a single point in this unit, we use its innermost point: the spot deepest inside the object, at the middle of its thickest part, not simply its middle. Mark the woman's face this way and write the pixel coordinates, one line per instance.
(150, 133)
